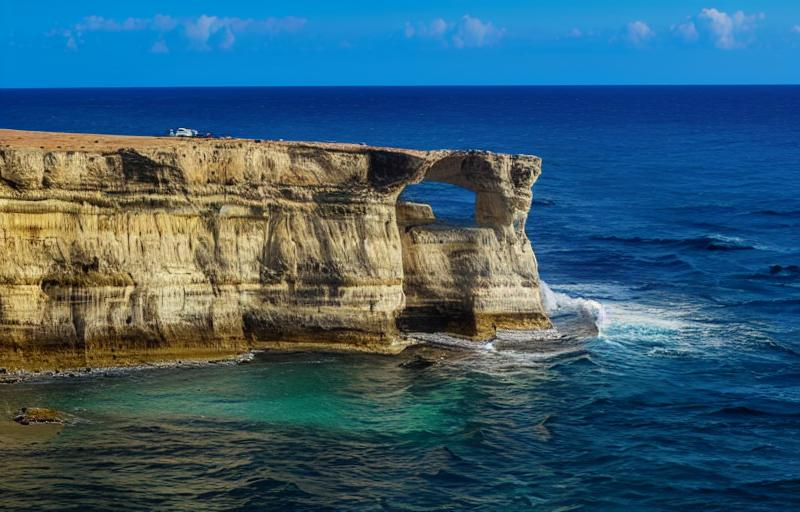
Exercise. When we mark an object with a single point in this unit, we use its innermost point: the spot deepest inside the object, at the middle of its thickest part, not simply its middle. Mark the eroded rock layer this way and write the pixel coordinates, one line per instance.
(123, 250)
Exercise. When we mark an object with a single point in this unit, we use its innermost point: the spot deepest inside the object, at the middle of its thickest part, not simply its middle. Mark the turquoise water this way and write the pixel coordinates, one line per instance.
(486, 430)
(669, 217)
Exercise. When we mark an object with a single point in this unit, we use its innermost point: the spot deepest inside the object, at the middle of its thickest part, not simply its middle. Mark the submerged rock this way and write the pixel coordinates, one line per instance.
(35, 415)
(127, 250)
(418, 363)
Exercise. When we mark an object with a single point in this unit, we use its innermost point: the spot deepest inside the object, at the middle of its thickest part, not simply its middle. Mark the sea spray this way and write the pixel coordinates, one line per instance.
(557, 304)
(576, 318)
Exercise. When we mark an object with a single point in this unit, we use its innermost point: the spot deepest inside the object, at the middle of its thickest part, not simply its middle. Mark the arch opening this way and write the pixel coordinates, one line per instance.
(451, 204)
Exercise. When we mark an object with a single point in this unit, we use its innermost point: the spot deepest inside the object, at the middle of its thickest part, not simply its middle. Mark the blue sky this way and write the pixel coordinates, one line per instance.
(195, 42)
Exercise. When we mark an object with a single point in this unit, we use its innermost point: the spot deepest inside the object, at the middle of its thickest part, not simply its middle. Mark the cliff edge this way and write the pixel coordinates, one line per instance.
(118, 250)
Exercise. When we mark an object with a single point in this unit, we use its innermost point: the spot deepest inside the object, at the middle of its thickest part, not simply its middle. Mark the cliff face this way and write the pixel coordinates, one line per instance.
(121, 250)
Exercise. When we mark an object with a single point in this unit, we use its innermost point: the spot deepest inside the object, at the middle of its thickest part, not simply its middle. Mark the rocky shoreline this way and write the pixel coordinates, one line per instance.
(21, 376)
(419, 355)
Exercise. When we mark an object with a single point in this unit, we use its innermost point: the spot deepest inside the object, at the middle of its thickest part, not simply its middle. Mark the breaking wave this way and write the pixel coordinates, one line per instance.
(575, 320)
(558, 304)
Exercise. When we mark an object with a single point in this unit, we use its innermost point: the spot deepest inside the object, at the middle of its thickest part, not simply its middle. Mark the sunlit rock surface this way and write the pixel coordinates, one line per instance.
(124, 250)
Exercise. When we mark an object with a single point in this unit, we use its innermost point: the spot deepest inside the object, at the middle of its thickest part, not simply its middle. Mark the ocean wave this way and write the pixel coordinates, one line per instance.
(743, 410)
(440, 339)
(708, 243)
(557, 303)
(792, 270)
(648, 318)
(510, 351)
(576, 319)
(780, 302)
(776, 273)
(670, 353)
(780, 213)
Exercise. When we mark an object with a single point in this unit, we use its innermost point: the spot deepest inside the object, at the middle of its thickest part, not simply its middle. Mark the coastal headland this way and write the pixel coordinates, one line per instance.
(122, 250)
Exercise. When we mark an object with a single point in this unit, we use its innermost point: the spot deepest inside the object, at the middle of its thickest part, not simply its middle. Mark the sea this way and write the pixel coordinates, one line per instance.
(668, 217)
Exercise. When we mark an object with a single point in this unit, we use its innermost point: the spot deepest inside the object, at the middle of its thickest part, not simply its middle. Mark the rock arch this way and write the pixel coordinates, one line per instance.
(472, 280)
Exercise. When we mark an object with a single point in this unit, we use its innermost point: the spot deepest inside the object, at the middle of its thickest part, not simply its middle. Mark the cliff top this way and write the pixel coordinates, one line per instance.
(33, 160)
(58, 141)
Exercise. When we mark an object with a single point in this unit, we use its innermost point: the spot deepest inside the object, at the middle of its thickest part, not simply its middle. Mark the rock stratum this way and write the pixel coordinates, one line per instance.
(118, 250)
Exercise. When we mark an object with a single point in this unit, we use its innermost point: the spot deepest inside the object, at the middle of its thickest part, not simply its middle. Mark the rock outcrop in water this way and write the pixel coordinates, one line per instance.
(124, 250)
(37, 415)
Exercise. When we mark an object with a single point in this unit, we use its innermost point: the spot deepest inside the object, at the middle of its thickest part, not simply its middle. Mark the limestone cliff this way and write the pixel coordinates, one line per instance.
(122, 250)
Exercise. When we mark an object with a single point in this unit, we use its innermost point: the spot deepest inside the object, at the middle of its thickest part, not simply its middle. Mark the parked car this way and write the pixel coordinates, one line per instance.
(183, 132)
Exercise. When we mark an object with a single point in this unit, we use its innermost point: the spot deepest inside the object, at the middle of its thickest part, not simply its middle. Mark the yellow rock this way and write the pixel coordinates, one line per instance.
(127, 250)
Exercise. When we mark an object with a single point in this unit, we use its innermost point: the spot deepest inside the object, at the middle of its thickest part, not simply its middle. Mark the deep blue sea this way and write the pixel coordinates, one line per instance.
(676, 208)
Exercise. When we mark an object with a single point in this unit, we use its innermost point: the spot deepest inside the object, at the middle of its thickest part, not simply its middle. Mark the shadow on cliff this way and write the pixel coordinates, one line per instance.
(137, 167)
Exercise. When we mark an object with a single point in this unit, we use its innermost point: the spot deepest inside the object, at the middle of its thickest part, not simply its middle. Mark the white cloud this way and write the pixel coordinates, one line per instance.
(686, 31)
(796, 29)
(434, 29)
(227, 39)
(101, 24)
(438, 27)
(159, 47)
(467, 32)
(730, 31)
(97, 24)
(472, 32)
(579, 33)
(199, 31)
(71, 44)
(163, 23)
(575, 33)
(639, 33)
(135, 24)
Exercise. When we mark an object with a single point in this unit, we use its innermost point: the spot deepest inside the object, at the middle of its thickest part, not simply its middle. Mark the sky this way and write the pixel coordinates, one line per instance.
(89, 43)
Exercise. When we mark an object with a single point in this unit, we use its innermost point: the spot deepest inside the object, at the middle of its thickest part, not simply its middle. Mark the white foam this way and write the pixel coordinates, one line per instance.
(557, 303)
(649, 317)
(445, 340)
(658, 330)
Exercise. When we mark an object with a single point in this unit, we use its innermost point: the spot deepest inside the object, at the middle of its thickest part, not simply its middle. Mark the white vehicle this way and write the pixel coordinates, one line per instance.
(183, 132)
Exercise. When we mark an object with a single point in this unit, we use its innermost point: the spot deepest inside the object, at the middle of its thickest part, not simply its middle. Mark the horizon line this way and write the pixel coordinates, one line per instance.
(3, 88)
